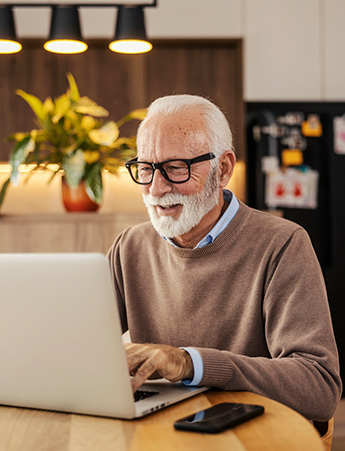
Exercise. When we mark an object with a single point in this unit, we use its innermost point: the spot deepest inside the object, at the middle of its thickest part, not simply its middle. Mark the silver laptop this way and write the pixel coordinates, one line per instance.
(60, 339)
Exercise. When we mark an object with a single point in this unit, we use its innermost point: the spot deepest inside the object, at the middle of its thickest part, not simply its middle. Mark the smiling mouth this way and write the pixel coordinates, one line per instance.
(164, 210)
(166, 207)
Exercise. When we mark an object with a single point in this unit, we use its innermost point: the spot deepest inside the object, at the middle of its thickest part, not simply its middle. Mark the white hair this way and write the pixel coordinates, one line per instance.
(217, 128)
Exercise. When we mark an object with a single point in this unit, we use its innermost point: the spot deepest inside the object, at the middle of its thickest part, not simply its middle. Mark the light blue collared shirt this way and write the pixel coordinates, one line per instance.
(223, 222)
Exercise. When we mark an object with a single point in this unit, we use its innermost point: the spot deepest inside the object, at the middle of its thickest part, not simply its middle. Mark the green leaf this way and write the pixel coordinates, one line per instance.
(88, 106)
(88, 123)
(62, 106)
(48, 106)
(35, 104)
(75, 96)
(105, 135)
(138, 114)
(91, 156)
(126, 143)
(94, 184)
(4, 189)
(18, 136)
(74, 167)
(18, 156)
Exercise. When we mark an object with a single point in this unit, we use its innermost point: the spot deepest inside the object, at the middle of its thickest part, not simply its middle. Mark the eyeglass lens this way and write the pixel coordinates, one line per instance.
(175, 171)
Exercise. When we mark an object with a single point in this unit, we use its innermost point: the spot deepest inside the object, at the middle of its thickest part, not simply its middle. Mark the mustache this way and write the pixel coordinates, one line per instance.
(166, 200)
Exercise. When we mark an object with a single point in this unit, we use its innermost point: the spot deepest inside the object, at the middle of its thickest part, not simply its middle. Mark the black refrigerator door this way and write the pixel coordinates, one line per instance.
(326, 223)
(316, 221)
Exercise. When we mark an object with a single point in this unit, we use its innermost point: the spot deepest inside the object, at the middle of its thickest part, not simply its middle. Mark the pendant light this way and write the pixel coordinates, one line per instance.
(8, 40)
(130, 34)
(65, 34)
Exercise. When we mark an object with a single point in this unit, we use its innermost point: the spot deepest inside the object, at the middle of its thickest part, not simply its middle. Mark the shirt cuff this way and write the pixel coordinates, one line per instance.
(197, 365)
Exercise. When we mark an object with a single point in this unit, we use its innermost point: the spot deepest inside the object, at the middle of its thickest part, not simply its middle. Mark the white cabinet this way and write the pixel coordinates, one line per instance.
(170, 19)
(282, 50)
(195, 19)
(333, 64)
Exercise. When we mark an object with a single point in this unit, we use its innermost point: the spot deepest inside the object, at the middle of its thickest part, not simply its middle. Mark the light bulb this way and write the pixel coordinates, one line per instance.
(7, 46)
(131, 46)
(65, 46)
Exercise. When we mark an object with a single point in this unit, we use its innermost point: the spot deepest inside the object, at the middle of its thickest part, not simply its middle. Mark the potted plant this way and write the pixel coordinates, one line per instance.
(73, 138)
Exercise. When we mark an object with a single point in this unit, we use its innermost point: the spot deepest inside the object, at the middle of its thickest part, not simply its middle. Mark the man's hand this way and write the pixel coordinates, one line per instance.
(149, 361)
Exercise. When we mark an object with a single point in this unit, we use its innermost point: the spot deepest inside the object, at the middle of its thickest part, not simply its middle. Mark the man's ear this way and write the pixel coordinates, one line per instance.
(226, 167)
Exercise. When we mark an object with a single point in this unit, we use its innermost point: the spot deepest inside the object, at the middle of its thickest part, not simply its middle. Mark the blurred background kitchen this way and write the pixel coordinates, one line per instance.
(276, 68)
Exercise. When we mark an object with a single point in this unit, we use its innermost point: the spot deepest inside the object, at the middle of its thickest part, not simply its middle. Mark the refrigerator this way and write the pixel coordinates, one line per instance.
(296, 169)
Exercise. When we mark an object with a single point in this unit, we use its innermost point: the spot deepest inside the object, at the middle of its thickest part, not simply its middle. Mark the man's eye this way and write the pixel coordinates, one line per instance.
(176, 168)
(145, 169)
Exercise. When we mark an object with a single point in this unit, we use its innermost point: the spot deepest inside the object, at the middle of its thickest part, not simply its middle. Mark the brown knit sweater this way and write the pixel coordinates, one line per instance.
(253, 303)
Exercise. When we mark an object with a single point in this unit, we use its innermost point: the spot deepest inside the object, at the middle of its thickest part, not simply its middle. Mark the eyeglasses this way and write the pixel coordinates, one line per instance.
(174, 171)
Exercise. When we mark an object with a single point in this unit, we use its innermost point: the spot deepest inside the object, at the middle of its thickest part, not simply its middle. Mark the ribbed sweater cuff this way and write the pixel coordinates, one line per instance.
(218, 368)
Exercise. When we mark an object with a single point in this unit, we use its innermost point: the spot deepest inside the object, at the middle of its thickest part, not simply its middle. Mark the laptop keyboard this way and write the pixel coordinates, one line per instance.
(143, 394)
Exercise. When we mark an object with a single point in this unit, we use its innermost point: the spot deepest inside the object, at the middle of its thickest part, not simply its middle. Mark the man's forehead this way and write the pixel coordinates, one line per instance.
(175, 136)
(188, 119)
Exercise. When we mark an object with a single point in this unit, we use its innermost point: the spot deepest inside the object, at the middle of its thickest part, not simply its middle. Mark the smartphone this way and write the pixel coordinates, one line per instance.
(219, 417)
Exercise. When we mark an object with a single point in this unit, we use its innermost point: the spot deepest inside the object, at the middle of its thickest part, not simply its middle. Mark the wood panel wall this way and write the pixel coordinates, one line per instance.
(212, 68)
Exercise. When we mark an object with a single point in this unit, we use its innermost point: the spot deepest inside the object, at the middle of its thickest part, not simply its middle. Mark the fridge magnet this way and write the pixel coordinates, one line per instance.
(291, 118)
(295, 140)
(312, 127)
(274, 130)
(292, 189)
(292, 157)
(339, 134)
(269, 164)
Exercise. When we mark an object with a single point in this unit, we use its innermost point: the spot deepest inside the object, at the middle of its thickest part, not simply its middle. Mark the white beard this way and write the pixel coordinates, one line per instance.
(194, 208)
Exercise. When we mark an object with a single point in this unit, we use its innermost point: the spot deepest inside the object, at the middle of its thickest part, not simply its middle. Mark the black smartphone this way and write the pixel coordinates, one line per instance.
(219, 417)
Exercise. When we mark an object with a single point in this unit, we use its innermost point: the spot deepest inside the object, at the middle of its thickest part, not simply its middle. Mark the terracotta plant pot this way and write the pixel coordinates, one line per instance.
(76, 199)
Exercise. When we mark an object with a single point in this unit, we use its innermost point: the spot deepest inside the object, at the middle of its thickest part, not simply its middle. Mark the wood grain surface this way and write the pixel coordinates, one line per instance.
(279, 428)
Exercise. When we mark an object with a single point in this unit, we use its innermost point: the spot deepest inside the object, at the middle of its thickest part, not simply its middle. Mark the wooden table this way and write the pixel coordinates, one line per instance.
(280, 428)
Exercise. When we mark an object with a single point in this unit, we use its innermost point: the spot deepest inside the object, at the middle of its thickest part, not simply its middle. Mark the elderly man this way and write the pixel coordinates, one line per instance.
(213, 292)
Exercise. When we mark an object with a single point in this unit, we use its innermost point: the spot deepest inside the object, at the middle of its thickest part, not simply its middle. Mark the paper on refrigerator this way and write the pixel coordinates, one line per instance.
(292, 188)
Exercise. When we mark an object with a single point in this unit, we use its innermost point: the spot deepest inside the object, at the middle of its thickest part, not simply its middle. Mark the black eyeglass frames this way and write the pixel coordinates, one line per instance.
(174, 171)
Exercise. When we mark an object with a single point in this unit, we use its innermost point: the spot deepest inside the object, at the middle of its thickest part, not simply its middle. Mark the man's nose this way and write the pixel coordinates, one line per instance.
(159, 185)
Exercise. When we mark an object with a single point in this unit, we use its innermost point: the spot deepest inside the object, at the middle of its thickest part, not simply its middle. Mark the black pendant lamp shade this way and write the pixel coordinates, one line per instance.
(8, 40)
(130, 34)
(65, 33)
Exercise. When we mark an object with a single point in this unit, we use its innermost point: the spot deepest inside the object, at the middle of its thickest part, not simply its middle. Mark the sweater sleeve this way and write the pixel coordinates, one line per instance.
(303, 371)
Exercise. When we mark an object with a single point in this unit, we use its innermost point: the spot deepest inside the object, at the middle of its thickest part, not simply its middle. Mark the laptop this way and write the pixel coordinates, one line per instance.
(61, 344)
